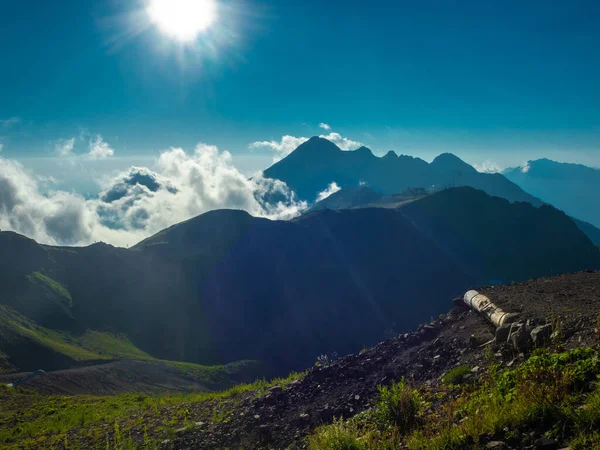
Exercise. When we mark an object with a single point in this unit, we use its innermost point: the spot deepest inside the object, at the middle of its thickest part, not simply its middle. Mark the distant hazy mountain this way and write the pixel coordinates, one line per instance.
(574, 188)
(310, 168)
(349, 198)
(227, 286)
(590, 231)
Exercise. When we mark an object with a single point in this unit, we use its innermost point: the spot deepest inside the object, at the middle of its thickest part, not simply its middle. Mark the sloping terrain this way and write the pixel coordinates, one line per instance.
(285, 413)
(348, 198)
(348, 386)
(476, 228)
(100, 363)
(570, 187)
(365, 197)
(590, 231)
(149, 376)
(226, 286)
(318, 162)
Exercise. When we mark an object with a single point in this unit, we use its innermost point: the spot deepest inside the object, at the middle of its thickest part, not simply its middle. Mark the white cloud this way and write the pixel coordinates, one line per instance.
(99, 149)
(282, 148)
(325, 126)
(331, 189)
(58, 217)
(525, 167)
(139, 201)
(342, 142)
(487, 167)
(64, 147)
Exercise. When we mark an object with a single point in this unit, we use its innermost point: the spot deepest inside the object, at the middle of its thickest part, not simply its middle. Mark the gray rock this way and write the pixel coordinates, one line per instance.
(304, 418)
(541, 335)
(496, 445)
(545, 443)
(502, 333)
(276, 390)
(520, 339)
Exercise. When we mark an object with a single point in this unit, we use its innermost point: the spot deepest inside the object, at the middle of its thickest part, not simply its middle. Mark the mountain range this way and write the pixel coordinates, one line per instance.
(226, 286)
(573, 188)
(318, 162)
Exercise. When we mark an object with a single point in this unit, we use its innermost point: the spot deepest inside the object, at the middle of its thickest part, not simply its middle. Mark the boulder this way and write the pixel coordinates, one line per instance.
(540, 336)
(520, 339)
(502, 333)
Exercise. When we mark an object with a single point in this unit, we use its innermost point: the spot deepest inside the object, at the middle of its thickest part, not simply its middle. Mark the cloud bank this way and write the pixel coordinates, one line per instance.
(284, 147)
(139, 201)
(331, 189)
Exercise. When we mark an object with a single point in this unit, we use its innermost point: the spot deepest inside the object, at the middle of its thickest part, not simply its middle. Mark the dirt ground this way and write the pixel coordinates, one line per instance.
(111, 378)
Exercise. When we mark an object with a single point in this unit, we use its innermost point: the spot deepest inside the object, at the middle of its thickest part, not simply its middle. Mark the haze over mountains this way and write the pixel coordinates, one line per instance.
(574, 188)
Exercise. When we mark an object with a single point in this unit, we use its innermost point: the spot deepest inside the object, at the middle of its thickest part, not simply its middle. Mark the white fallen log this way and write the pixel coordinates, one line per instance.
(484, 306)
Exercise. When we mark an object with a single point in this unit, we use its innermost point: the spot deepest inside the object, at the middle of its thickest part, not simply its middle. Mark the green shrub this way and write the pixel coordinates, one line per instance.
(456, 375)
(337, 436)
(399, 405)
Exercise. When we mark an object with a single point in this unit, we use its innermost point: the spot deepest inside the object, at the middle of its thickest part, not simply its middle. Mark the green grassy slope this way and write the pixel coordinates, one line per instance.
(555, 394)
(20, 334)
(115, 422)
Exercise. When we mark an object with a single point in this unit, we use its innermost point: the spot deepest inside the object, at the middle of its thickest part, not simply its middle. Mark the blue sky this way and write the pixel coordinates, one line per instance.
(495, 81)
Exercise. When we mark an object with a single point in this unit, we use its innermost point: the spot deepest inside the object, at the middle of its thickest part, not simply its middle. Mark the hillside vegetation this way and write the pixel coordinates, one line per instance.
(446, 385)
(226, 286)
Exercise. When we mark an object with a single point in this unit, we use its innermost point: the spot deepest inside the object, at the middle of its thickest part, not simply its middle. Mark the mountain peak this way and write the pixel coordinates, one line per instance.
(391, 155)
(316, 145)
(448, 162)
(364, 151)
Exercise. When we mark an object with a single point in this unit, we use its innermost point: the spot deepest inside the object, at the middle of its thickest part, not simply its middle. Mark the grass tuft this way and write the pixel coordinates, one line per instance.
(399, 405)
(337, 436)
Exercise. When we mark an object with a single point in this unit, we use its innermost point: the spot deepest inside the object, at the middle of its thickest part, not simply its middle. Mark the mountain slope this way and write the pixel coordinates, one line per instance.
(590, 231)
(571, 187)
(348, 198)
(226, 286)
(313, 165)
(505, 241)
(365, 197)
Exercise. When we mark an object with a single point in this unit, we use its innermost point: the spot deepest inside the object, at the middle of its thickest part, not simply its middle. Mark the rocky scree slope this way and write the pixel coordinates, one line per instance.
(348, 386)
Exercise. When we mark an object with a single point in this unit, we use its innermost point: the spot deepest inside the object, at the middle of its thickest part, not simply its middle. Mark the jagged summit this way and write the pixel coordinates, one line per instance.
(315, 164)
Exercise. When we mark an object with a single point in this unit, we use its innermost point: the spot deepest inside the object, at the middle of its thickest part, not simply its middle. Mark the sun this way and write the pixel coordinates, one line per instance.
(183, 20)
